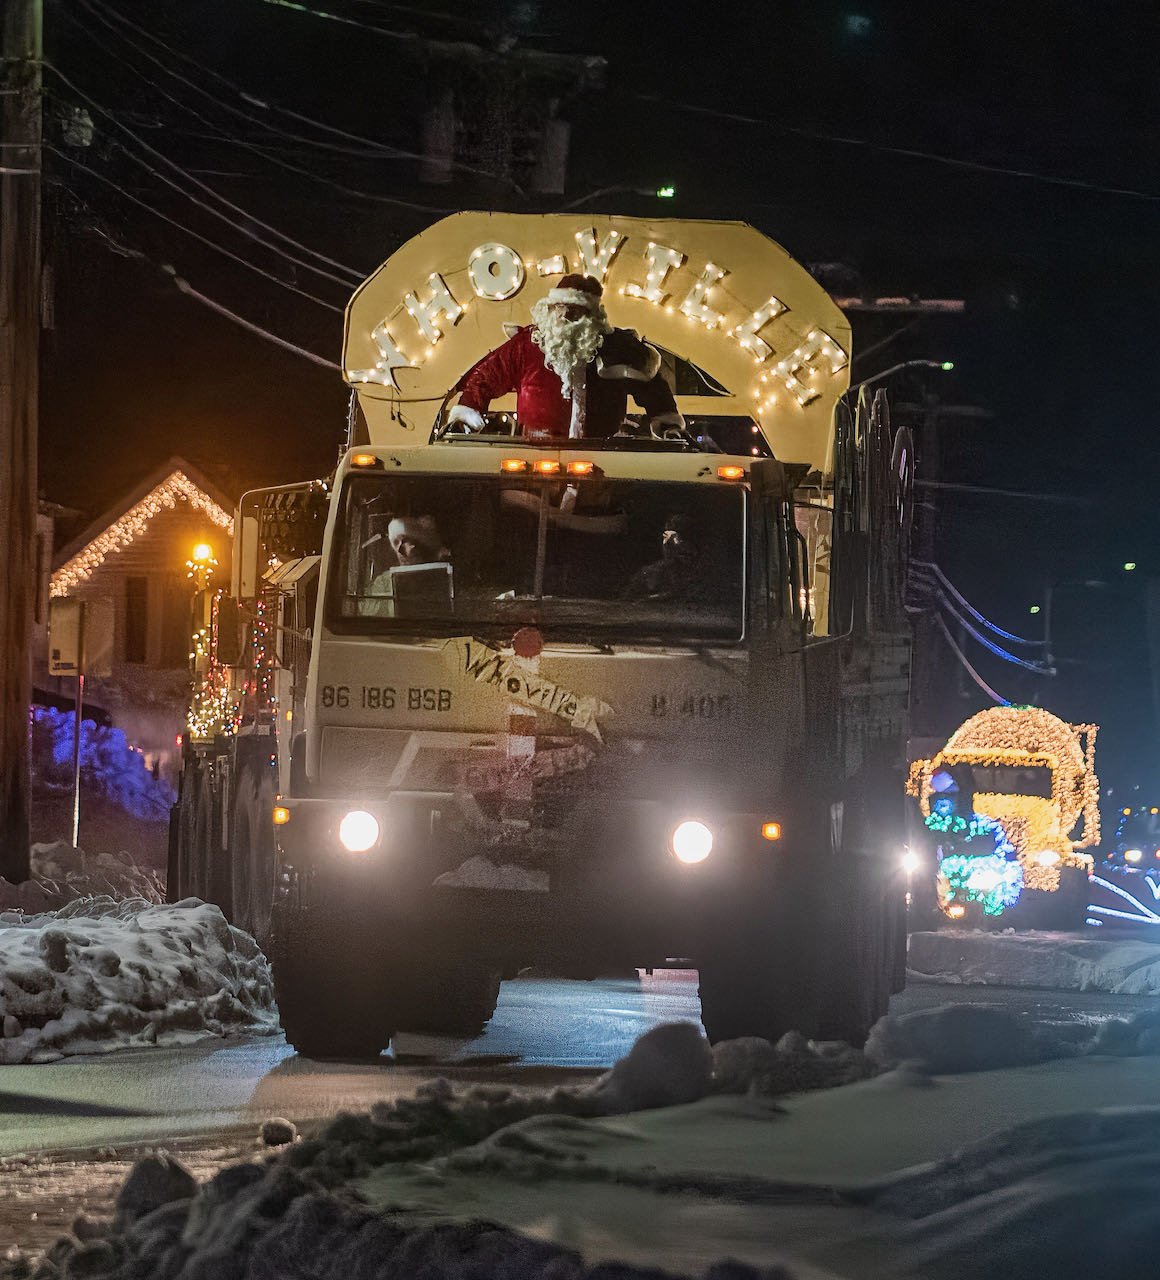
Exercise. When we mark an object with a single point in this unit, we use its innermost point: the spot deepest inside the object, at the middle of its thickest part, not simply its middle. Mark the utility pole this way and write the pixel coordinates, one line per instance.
(20, 124)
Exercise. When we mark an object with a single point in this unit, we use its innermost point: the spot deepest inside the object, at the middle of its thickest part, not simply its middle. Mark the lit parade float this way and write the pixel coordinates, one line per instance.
(1011, 803)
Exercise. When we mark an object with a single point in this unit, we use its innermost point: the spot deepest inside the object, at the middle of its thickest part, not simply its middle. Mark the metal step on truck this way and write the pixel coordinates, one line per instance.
(642, 700)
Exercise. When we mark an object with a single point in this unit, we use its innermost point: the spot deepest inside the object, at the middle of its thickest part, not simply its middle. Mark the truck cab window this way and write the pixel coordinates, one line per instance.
(481, 555)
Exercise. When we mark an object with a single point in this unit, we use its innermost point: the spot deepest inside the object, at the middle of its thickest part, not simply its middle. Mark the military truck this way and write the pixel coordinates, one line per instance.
(412, 781)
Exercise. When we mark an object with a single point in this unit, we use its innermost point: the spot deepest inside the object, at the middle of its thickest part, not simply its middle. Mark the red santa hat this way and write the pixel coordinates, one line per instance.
(577, 291)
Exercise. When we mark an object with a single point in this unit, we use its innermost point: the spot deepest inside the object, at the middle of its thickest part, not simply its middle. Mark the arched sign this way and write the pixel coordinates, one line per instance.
(718, 294)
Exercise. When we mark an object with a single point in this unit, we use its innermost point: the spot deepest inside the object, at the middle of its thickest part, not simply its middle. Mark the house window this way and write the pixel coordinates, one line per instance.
(175, 623)
(136, 619)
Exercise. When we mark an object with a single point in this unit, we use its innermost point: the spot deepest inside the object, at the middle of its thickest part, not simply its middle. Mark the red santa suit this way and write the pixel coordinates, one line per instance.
(623, 365)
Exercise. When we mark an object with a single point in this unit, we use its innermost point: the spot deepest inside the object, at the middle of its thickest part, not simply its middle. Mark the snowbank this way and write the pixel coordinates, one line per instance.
(1058, 961)
(100, 974)
(61, 873)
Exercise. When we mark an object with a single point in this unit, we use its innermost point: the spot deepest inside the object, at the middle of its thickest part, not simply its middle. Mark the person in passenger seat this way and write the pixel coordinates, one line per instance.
(679, 569)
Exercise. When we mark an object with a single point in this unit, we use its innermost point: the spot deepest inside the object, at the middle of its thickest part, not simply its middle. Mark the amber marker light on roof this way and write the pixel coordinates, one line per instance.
(364, 460)
(281, 815)
(547, 466)
(731, 472)
(513, 464)
(581, 468)
(771, 830)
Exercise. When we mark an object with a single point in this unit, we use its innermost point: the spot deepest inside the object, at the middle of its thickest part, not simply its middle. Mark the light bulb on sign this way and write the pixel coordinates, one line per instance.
(556, 265)
(596, 259)
(660, 261)
(440, 304)
(747, 333)
(496, 272)
(696, 305)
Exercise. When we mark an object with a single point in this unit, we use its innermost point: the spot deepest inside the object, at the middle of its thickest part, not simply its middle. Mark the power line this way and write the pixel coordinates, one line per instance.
(382, 148)
(191, 292)
(930, 567)
(818, 135)
(212, 244)
(970, 670)
(355, 276)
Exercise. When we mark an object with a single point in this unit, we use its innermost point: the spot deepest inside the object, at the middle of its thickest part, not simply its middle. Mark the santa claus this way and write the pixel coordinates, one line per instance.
(572, 372)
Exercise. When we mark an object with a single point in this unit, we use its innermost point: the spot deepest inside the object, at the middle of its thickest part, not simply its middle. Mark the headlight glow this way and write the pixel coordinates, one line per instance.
(1133, 855)
(910, 861)
(359, 831)
(692, 841)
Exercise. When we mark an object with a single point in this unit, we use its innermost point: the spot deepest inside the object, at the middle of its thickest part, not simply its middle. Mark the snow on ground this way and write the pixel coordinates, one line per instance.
(1062, 962)
(61, 873)
(101, 974)
(984, 1173)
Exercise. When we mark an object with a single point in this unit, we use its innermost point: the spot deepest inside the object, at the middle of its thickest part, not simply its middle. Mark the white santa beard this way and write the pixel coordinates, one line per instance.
(567, 345)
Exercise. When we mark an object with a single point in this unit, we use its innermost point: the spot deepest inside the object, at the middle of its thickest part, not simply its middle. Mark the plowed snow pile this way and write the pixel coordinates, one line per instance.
(1123, 966)
(100, 974)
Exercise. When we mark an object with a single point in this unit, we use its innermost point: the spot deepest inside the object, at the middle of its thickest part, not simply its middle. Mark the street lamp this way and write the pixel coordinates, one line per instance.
(945, 365)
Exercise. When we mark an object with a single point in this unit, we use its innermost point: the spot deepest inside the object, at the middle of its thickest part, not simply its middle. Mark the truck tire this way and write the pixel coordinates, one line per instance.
(759, 979)
(447, 999)
(331, 983)
(252, 855)
(863, 934)
(194, 824)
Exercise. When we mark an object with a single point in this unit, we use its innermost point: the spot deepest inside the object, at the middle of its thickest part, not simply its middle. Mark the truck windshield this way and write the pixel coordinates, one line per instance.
(1012, 780)
(606, 560)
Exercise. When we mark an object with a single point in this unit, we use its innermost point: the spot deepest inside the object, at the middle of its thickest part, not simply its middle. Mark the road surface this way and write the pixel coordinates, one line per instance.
(545, 1031)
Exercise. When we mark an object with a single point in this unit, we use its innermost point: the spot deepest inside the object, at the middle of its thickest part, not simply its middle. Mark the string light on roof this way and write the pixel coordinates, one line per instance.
(176, 488)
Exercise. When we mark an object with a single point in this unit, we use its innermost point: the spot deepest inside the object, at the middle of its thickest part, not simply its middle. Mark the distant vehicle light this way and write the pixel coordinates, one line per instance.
(1133, 855)
(359, 831)
(771, 830)
(547, 466)
(281, 815)
(692, 841)
(364, 460)
(581, 468)
(513, 464)
(731, 472)
(984, 880)
(1047, 858)
(910, 861)
(956, 911)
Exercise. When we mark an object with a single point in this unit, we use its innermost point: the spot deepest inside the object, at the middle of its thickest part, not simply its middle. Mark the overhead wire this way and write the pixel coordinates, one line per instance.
(212, 244)
(966, 663)
(353, 276)
(819, 135)
(1038, 668)
(931, 567)
(385, 149)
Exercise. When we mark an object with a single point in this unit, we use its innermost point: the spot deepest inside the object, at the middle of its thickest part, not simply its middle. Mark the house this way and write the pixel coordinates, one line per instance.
(136, 556)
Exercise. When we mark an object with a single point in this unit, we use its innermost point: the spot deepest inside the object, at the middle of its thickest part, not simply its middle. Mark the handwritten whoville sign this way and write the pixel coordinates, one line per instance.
(490, 667)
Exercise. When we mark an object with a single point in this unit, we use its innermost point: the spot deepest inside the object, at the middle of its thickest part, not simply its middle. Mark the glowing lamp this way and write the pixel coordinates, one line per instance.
(771, 830)
(202, 553)
(911, 862)
(281, 815)
(364, 460)
(666, 193)
(1133, 855)
(359, 831)
(547, 466)
(731, 472)
(956, 911)
(513, 465)
(692, 841)
(1129, 565)
(581, 468)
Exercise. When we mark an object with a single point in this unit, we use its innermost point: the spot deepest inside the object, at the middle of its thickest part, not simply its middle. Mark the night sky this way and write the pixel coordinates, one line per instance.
(894, 139)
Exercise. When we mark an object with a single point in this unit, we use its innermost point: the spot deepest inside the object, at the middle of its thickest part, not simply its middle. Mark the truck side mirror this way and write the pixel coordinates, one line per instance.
(230, 643)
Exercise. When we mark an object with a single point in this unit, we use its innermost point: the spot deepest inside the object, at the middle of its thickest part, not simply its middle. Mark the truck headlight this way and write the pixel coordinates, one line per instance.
(692, 841)
(359, 831)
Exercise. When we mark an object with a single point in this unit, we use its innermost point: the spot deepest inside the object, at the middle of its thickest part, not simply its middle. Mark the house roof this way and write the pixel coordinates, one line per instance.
(175, 481)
